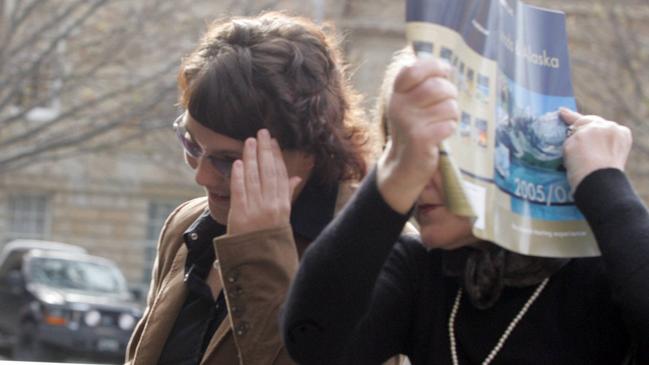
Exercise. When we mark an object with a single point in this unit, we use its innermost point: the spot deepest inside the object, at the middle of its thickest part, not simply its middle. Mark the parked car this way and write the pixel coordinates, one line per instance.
(59, 302)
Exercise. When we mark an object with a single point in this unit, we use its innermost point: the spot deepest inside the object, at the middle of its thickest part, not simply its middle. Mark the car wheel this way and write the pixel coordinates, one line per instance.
(29, 347)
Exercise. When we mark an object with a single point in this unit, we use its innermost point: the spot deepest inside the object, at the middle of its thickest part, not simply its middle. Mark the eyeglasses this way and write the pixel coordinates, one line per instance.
(194, 150)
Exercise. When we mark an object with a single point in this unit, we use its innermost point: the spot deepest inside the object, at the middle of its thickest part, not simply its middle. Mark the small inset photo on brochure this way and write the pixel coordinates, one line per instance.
(481, 133)
(483, 89)
(465, 125)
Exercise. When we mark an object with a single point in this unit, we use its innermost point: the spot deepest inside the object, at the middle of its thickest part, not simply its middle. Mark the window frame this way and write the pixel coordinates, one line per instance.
(16, 204)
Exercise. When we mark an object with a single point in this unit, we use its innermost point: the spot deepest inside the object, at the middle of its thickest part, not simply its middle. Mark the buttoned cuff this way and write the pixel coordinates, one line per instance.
(256, 269)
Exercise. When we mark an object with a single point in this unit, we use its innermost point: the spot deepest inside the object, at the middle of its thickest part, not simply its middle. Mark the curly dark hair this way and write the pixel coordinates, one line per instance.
(285, 74)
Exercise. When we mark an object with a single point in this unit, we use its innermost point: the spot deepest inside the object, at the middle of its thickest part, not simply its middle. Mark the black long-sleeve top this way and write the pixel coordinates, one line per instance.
(360, 298)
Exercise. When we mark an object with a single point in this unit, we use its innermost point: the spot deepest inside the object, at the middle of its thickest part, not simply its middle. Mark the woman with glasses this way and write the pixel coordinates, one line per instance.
(273, 132)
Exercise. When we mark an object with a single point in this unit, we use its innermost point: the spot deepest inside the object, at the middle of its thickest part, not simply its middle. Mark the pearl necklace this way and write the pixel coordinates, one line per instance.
(505, 335)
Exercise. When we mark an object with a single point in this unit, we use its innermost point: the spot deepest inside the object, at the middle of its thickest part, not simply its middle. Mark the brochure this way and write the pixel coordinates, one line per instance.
(504, 166)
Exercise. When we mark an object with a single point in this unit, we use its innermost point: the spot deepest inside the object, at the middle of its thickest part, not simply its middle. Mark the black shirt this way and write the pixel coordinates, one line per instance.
(200, 314)
(385, 298)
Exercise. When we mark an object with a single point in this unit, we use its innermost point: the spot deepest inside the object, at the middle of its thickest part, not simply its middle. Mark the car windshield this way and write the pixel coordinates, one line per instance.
(77, 275)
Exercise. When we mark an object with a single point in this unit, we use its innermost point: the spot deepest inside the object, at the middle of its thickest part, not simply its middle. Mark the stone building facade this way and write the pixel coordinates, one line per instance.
(114, 203)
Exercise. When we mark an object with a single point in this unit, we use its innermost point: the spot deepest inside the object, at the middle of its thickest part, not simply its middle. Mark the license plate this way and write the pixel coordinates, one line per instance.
(107, 345)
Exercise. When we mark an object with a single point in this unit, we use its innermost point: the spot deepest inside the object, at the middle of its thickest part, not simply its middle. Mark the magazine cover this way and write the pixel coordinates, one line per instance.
(504, 166)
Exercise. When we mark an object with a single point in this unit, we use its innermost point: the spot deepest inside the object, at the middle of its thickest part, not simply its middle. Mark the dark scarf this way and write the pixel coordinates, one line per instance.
(488, 268)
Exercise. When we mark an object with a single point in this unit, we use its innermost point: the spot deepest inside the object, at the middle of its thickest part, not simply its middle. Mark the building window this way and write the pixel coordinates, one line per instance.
(158, 213)
(28, 216)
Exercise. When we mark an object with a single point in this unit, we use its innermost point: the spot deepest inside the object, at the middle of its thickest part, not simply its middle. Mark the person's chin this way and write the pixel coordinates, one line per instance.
(439, 237)
(436, 242)
(219, 209)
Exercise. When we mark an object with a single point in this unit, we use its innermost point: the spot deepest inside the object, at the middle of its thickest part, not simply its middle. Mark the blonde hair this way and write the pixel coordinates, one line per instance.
(400, 58)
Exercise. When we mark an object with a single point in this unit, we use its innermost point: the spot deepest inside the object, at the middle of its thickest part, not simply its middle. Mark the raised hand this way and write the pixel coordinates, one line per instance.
(422, 112)
(595, 143)
(260, 189)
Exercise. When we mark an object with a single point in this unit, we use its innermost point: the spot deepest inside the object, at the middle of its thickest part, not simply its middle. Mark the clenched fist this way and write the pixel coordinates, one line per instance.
(595, 144)
(422, 112)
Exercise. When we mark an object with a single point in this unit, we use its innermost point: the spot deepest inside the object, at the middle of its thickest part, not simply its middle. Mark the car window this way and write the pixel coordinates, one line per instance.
(76, 275)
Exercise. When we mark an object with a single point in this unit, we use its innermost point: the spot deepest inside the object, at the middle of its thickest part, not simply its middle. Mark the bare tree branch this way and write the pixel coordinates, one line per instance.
(87, 75)
(609, 65)
(15, 21)
(87, 136)
(53, 24)
(111, 48)
(79, 108)
(625, 57)
(42, 55)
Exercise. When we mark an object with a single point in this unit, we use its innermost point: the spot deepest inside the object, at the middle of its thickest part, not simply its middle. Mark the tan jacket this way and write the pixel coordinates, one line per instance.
(254, 269)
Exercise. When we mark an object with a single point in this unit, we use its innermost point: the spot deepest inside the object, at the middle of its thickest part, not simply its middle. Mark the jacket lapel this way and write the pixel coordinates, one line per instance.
(223, 329)
(220, 335)
(164, 311)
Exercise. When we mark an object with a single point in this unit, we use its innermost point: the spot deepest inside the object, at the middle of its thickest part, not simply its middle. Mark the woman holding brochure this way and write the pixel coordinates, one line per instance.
(364, 292)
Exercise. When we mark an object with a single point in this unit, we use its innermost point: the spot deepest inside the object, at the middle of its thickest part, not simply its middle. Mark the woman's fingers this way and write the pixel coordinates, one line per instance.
(283, 186)
(576, 119)
(280, 166)
(260, 188)
(237, 184)
(251, 172)
(411, 76)
(439, 131)
(443, 111)
(594, 144)
(267, 166)
(238, 199)
(292, 184)
(569, 116)
(432, 91)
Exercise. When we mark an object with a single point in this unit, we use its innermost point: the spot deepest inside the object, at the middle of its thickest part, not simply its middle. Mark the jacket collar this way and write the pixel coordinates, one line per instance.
(311, 212)
(168, 302)
(313, 209)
